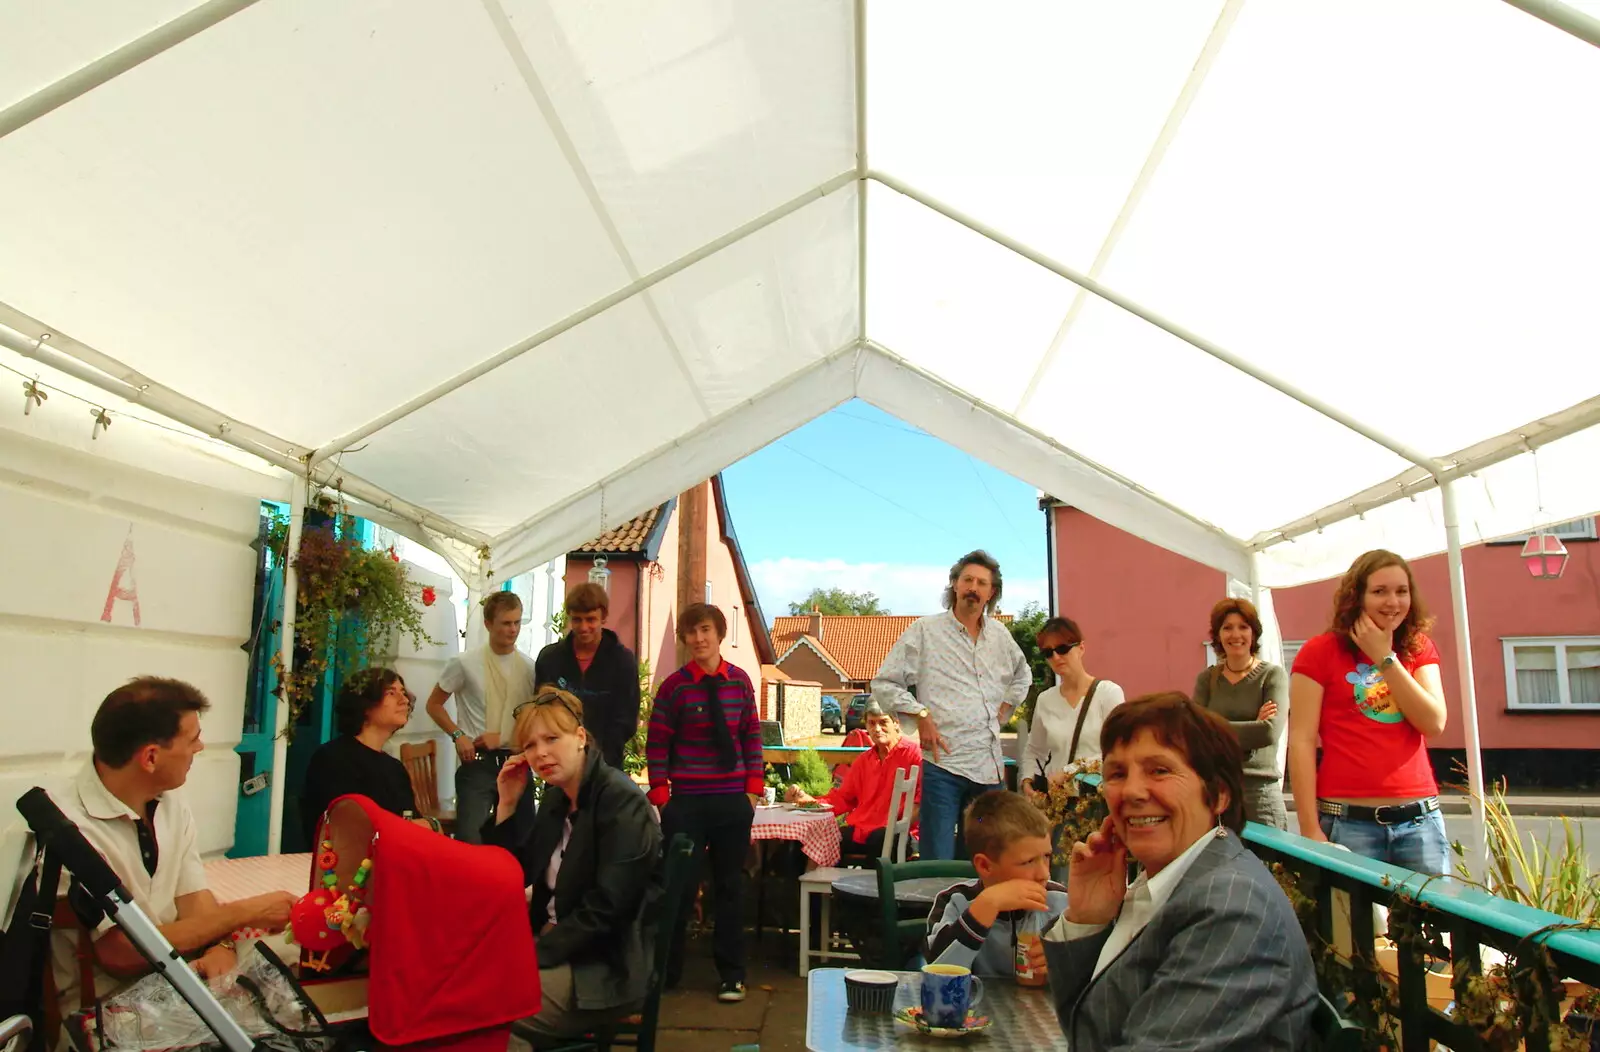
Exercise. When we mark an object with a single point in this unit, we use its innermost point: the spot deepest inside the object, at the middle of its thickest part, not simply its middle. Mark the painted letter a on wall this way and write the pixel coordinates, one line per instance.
(123, 585)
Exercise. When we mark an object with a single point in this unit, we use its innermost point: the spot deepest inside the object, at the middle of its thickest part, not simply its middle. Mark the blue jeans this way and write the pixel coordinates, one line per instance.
(1419, 845)
(944, 797)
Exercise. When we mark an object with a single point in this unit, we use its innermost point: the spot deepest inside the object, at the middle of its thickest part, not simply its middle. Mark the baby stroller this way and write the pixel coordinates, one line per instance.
(449, 952)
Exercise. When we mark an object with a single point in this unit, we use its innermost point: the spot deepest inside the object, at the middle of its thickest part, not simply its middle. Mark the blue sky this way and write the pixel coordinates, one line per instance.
(860, 500)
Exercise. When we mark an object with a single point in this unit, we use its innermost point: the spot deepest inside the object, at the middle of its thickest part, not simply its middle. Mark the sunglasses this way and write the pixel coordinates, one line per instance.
(1061, 651)
(547, 698)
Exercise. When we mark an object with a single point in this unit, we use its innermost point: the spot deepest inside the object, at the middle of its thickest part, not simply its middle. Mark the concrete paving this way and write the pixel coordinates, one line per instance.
(773, 1013)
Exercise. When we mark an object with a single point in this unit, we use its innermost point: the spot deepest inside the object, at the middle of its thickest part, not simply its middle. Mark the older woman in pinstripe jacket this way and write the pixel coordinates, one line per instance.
(1202, 952)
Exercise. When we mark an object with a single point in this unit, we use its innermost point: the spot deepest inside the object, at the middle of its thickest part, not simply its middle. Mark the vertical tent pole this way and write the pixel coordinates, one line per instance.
(291, 590)
(861, 167)
(477, 592)
(1477, 850)
(1271, 650)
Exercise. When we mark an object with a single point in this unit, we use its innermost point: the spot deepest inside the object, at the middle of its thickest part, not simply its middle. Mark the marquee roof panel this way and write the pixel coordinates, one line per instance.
(1331, 239)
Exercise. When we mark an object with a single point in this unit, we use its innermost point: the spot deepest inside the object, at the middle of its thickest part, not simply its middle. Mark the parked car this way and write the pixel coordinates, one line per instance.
(832, 718)
(856, 714)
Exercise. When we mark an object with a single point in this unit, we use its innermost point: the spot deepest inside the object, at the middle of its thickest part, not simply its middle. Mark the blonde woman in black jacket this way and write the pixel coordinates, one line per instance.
(590, 856)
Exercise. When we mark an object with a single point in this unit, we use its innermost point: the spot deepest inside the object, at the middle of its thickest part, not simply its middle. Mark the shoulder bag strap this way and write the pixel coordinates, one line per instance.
(25, 955)
(1083, 712)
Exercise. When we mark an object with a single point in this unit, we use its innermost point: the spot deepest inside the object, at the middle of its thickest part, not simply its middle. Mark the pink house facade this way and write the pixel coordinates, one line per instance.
(1535, 643)
(681, 552)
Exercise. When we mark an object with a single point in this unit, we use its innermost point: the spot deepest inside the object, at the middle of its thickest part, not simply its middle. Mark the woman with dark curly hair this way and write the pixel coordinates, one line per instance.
(1253, 696)
(372, 704)
(1369, 687)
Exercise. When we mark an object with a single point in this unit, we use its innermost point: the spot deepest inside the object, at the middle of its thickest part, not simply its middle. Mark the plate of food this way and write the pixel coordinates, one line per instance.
(813, 805)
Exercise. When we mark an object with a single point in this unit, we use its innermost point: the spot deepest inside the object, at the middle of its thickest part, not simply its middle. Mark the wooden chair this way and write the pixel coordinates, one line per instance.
(424, 773)
(639, 1031)
(897, 932)
(818, 883)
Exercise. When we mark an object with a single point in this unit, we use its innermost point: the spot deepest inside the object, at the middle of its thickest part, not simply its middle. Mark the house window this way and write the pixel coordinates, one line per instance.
(733, 628)
(1556, 672)
(708, 591)
(1575, 530)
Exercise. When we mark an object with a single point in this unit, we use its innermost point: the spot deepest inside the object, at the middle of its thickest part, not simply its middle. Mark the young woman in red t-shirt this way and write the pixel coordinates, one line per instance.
(1369, 687)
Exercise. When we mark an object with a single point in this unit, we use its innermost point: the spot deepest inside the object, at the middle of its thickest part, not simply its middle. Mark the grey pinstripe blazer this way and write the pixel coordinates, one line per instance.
(1221, 967)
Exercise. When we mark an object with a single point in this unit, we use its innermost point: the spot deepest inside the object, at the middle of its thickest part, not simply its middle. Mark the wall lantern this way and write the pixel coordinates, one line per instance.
(1545, 556)
(600, 575)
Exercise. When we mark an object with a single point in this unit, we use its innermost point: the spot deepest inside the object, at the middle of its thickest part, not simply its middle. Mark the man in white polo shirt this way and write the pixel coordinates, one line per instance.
(146, 735)
(488, 684)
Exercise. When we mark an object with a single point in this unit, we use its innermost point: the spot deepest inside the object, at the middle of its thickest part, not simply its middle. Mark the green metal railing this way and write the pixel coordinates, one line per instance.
(1430, 920)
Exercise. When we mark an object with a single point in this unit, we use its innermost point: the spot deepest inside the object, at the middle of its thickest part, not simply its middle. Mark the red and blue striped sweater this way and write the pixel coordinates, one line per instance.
(680, 749)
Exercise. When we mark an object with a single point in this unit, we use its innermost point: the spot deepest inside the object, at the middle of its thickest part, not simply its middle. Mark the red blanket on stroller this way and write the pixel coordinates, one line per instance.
(451, 947)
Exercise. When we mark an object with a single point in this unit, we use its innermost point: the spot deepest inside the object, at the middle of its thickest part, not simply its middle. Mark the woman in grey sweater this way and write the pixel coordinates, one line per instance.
(1253, 696)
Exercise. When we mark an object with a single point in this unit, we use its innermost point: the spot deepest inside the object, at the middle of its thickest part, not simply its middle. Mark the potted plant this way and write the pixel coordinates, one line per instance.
(352, 603)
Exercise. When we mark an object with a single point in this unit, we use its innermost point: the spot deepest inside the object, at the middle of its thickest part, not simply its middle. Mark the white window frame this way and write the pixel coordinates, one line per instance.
(708, 593)
(1572, 530)
(733, 628)
(1509, 645)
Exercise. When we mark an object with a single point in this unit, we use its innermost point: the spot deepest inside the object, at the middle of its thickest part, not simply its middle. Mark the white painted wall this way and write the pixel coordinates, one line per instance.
(420, 668)
(65, 516)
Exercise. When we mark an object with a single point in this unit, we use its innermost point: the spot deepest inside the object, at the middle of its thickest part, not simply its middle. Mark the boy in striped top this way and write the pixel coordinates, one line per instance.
(706, 774)
(992, 924)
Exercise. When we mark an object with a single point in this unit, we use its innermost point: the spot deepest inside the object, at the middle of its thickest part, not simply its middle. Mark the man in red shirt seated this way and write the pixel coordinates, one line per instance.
(863, 798)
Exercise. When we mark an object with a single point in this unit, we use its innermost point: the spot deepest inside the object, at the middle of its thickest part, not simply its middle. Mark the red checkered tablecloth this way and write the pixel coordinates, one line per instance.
(818, 834)
(240, 878)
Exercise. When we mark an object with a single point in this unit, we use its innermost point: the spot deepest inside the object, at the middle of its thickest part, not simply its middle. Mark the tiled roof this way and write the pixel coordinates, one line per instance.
(822, 652)
(857, 644)
(629, 537)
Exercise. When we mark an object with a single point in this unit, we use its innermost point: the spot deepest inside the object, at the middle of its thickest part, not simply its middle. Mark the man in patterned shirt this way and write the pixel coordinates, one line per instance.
(958, 675)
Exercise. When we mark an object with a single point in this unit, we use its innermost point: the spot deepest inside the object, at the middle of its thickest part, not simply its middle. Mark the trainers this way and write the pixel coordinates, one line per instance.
(731, 992)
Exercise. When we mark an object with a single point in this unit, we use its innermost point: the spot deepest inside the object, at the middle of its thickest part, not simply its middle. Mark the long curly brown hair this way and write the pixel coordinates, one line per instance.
(1348, 606)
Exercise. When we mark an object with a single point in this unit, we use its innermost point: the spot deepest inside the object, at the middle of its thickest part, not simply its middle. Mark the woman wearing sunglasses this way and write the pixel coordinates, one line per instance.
(1067, 717)
(589, 855)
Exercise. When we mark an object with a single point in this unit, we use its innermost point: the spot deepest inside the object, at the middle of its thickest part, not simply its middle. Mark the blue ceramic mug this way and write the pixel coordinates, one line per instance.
(947, 993)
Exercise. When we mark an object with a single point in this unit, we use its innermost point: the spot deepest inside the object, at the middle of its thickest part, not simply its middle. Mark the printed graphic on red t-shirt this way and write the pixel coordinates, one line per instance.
(1372, 694)
(1368, 748)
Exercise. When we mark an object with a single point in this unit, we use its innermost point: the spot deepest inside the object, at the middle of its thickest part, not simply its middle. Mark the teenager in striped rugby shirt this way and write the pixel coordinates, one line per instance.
(706, 774)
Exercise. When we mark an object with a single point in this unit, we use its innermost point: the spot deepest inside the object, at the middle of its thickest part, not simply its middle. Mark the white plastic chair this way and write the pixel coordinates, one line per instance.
(819, 882)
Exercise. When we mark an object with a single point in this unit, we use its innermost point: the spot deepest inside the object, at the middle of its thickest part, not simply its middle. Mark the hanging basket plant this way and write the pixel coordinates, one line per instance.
(351, 607)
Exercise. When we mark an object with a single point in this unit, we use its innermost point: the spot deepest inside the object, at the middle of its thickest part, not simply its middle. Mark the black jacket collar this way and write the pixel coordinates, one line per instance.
(608, 642)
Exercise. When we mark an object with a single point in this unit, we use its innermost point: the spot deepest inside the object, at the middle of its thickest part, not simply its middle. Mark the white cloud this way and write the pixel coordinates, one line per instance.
(905, 588)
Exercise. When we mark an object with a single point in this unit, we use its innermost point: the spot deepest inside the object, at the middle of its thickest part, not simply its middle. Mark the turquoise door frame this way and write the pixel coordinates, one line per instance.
(253, 816)
(315, 726)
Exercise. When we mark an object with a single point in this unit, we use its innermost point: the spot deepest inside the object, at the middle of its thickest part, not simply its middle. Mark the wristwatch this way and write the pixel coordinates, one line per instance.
(922, 714)
(1388, 659)
(457, 734)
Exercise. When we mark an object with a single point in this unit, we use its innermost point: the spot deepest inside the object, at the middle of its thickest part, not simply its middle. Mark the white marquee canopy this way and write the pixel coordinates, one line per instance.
(1239, 277)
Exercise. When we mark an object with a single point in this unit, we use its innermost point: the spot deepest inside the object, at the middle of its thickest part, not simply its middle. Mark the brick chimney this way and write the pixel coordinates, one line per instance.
(814, 629)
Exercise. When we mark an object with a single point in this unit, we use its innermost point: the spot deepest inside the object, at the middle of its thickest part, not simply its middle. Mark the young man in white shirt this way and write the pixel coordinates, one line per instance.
(146, 735)
(488, 684)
